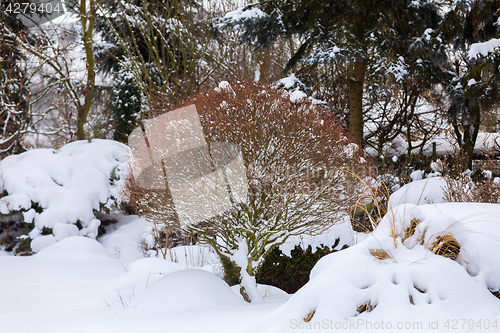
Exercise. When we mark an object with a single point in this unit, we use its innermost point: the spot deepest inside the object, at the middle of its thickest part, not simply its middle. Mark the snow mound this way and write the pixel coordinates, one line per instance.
(186, 290)
(475, 226)
(393, 278)
(75, 248)
(153, 266)
(123, 239)
(58, 187)
(419, 192)
(140, 274)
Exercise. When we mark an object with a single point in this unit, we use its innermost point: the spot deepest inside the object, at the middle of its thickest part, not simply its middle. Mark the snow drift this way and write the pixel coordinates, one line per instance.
(393, 276)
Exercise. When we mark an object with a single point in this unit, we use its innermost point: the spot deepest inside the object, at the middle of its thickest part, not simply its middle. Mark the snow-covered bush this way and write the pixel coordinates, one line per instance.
(422, 264)
(57, 191)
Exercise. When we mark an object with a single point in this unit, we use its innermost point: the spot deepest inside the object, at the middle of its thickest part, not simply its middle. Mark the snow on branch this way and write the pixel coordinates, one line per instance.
(483, 49)
(245, 13)
(324, 55)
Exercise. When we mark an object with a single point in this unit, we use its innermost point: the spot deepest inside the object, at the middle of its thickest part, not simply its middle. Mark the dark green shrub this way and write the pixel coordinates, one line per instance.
(46, 231)
(291, 273)
(231, 271)
(24, 248)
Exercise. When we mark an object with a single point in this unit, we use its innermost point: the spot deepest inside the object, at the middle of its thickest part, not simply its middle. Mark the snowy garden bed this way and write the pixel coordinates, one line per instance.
(428, 266)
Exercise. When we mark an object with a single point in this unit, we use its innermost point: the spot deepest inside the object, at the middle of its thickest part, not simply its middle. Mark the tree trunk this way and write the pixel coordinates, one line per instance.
(88, 20)
(357, 73)
(470, 142)
(467, 139)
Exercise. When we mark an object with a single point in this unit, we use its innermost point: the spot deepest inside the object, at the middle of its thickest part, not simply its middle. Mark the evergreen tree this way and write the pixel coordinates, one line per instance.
(126, 105)
(473, 88)
(354, 31)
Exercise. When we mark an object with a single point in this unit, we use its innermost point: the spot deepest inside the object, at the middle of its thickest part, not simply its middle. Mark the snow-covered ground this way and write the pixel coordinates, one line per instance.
(389, 280)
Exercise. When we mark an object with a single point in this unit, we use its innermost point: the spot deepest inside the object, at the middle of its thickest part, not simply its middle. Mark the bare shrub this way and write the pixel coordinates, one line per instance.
(302, 175)
(300, 168)
(463, 188)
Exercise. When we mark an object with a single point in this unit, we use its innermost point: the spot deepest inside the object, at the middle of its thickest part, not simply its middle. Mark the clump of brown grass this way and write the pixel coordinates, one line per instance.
(410, 231)
(446, 246)
(365, 307)
(380, 254)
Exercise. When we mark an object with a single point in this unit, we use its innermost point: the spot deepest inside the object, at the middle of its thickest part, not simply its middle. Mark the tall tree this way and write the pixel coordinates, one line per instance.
(352, 30)
(470, 27)
(87, 17)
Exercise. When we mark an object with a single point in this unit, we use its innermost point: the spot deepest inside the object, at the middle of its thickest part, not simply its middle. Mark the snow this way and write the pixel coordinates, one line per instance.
(245, 14)
(224, 85)
(270, 294)
(297, 96)
(398, 69)
(240, 258)
(420, 192)
(76, 285)
(483, 49)
(341, 231)
(416, 175)
(73, 248)
(289, 81)
(122, 240)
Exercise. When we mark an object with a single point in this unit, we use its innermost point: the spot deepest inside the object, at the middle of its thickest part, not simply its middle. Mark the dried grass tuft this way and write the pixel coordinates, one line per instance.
(411, 300)
(380, 254)
(366, 307)
(309, 316)
(410, 231)
(446, 246)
